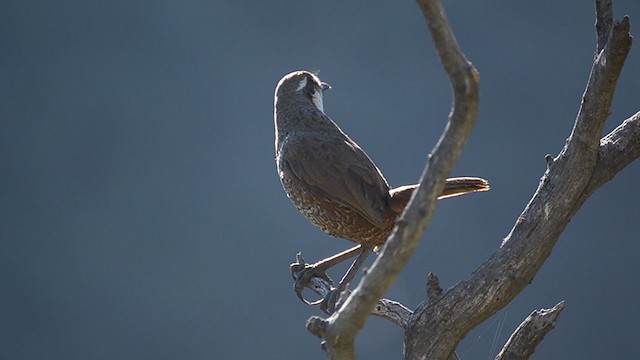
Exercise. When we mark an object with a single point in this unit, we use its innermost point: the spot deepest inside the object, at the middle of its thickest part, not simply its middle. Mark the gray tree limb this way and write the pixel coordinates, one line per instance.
(619, 148)
(341, 328)
(522, 343)
(583, 165)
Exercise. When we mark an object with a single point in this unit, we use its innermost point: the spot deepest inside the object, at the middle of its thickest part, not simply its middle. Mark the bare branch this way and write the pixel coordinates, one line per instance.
(583, 143)
(524, 340)
(459, 69)
(434, 290)
(617, 150)
(604, 21)
(340, 329)
(437, 327)
(393, 311)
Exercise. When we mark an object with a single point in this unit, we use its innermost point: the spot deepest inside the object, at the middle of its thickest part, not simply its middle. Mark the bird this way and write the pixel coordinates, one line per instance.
(332, 181)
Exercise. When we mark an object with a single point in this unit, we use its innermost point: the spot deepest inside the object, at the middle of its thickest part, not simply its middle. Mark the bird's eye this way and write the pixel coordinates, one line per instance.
(312, 86)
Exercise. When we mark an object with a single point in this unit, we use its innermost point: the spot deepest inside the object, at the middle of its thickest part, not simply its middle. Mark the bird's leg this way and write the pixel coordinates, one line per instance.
(302, 272)
(328, 304)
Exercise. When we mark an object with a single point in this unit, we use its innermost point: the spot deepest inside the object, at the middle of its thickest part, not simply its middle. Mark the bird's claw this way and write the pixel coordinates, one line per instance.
(302, 273)
(332, 301)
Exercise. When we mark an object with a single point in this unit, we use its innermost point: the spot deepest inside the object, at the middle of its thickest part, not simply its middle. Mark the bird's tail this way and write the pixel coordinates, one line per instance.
(453, 187)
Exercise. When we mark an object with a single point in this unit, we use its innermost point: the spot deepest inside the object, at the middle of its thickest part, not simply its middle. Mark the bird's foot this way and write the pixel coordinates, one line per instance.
(334, 299)
(303, 273)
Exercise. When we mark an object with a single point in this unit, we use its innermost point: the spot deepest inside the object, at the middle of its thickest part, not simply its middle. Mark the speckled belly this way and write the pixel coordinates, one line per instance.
(333, 218)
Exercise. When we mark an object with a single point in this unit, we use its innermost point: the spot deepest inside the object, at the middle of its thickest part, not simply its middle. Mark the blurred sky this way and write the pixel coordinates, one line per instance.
(142, 218)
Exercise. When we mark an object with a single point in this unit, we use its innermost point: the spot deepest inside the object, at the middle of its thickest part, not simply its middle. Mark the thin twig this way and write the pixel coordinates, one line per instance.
(524, 340)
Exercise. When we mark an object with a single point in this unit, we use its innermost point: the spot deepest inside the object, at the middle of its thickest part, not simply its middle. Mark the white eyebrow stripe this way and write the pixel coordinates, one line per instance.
(302, 85)
(316, 98)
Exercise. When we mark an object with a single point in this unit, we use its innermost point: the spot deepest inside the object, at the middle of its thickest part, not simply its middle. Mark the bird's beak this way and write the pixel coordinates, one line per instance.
(324, 86)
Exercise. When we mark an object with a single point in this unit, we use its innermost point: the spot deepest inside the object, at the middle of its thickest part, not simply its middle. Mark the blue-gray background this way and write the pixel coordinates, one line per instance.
(141, 216)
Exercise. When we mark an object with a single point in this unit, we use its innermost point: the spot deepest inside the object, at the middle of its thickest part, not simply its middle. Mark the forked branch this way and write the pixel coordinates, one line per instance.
(585, 164)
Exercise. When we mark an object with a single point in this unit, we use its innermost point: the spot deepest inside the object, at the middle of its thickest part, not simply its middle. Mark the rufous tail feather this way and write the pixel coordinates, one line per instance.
(400, 196)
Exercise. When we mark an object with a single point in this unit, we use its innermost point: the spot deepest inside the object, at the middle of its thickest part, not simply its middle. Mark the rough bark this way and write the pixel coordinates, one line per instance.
(530, 333)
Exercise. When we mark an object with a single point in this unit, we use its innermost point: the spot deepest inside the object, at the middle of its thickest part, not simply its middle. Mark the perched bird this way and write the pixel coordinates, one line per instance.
(330, 179)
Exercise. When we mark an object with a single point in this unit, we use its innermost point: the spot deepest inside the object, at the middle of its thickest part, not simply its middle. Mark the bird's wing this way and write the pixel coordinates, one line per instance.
(339, 169)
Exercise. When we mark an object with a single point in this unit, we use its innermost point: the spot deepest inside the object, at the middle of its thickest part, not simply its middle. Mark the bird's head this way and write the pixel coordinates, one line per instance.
(301, 87)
